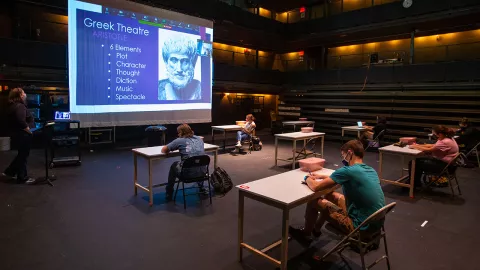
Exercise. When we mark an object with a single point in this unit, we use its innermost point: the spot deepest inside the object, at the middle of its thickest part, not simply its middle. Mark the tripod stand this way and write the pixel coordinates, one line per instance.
(47, 137)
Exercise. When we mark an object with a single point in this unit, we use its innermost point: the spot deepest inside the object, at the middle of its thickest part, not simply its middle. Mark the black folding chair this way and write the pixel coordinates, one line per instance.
(248, 142)
(449, 172)
(475, 150)
(376, 141)
(189, 175)
(355, 239)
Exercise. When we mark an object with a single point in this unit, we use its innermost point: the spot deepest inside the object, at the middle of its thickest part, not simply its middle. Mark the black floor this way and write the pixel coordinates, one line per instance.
(91, 220)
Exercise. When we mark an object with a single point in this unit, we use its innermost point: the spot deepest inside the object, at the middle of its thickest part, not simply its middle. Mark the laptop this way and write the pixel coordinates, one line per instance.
(359, 124)
(62, 115)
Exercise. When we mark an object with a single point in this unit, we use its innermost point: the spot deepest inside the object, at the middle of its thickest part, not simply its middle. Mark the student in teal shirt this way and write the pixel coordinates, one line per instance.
(362, 196)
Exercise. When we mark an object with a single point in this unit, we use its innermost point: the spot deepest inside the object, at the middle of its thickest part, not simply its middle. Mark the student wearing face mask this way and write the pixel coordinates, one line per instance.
(362, 196)
(440, 153)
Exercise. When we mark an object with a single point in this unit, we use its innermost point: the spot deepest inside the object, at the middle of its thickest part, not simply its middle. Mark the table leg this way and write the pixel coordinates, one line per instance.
(241, 199)
(215, 156)
(323, 143)
(294, 128)
(343, 134)
(224, 139)
(412, 181)
(284, 248)
(380, 165)
(135, 173)
(358, 134)
(294, 153)
(403, 163)
(213, 136)
(150, 188)
(276, 150)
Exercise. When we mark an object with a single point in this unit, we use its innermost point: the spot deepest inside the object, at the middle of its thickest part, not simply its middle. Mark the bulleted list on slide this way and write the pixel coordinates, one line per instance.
(117, 60)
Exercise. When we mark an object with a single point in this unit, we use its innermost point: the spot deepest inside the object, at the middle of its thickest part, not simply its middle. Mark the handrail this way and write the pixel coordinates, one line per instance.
(330, 7)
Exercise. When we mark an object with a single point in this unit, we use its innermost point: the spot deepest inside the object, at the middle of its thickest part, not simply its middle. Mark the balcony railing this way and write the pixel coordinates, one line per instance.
(447, 53)
(329, 8)
(358, 60)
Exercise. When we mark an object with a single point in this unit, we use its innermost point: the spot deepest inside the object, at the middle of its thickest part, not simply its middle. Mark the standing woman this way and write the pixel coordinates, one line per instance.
(19, 120)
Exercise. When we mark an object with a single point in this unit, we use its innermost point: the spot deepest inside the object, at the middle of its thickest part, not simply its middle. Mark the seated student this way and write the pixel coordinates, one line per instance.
(372, 132)
(246, 131)
(441, 153)
(468, 136)
(362, 196)
(188, 145)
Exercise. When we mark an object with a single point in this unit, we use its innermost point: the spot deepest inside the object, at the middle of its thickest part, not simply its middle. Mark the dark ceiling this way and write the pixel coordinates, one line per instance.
(283, 5)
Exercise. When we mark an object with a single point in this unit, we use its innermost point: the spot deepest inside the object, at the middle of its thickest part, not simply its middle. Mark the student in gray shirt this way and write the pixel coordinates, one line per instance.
(188, 145)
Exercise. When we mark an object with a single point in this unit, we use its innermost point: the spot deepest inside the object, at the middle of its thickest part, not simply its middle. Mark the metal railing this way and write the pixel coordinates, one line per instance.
(330, 8)
(444, 53)
(448, 53)
(247, 59)
(358, 60)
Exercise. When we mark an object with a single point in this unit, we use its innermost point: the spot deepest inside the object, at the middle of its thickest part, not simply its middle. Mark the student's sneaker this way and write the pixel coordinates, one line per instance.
(239, 144)
(202, 191)
(9, 176)
(30, 181)
(299, 235)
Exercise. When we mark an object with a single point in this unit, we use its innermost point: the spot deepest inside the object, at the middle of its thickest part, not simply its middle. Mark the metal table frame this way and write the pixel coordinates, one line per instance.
(284, 136)
(224, 129)
(411, 155)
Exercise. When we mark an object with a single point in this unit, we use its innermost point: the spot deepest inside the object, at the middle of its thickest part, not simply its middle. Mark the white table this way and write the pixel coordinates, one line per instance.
(154, 153)
(356, 129)
(224, 129)
(283, 191)
(294, 137)
(410, 154)
(298, 123)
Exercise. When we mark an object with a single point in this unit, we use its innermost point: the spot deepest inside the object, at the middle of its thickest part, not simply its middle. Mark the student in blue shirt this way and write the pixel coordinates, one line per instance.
(362, 196)
(188, 145)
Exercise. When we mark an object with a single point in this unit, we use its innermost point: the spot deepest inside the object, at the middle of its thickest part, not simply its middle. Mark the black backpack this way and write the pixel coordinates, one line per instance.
(257, 143)
(221, 182)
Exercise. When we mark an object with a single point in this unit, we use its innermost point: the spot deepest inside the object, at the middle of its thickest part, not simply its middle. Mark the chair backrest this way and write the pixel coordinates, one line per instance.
(474, 148)
(379, 215)
(379, 135)
(196, 161)
(452, 163)
(195, 168)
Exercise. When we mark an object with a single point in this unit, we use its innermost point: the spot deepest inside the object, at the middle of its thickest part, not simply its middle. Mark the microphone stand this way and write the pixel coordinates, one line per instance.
(47, 133)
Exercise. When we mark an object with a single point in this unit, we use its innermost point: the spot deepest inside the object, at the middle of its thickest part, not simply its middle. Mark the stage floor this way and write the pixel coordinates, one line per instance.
(91, 220)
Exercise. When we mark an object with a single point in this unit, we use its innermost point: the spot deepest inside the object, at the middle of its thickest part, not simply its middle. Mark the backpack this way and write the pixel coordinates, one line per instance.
(257, 143)
(220, 181)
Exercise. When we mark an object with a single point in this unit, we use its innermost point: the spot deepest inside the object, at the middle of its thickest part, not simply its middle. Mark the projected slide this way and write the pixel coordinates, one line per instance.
(127, 57)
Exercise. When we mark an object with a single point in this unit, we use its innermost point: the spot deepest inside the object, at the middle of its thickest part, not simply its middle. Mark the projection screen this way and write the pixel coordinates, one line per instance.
(132, 64)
